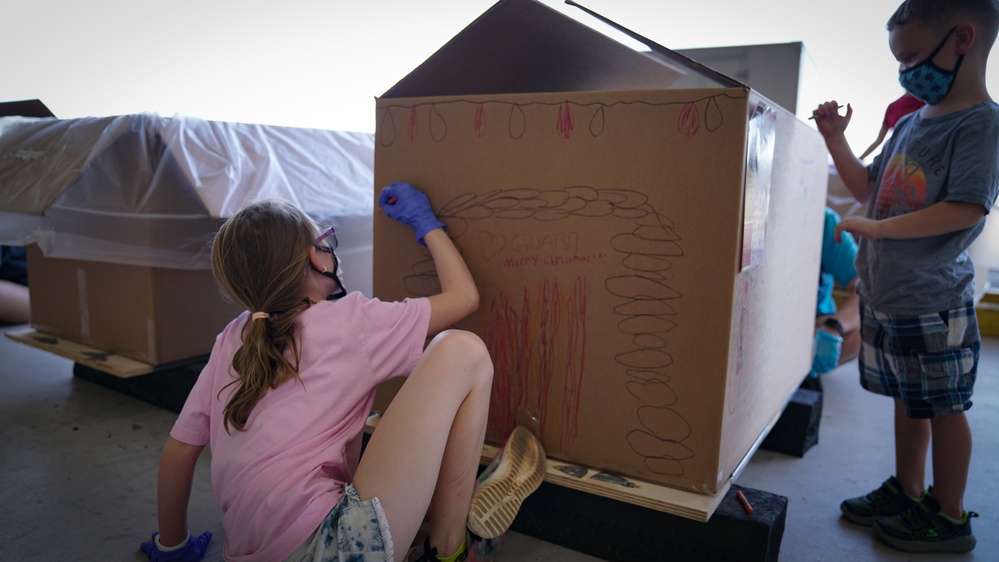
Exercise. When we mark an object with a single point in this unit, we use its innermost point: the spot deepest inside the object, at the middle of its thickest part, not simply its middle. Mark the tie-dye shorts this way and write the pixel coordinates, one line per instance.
(354, 531)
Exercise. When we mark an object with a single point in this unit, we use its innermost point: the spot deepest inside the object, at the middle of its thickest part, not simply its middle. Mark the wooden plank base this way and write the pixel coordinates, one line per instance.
(690, 505)
(166, 386)
(117, 365)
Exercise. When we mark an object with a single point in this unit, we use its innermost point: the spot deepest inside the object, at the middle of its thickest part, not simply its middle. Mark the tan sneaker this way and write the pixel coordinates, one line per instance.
(519, 472)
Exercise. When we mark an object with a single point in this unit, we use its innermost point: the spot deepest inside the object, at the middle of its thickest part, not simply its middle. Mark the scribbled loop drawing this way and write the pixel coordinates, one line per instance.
(537, 337)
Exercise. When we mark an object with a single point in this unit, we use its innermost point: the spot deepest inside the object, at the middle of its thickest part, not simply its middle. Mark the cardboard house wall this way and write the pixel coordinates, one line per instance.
(646, 257)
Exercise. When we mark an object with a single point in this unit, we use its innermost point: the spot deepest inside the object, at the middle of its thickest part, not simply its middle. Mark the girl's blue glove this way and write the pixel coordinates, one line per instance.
(193, 551)
(827, 348)
(409, 205)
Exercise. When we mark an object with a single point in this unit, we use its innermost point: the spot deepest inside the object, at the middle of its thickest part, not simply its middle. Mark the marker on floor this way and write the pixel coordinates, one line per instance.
(745, 503)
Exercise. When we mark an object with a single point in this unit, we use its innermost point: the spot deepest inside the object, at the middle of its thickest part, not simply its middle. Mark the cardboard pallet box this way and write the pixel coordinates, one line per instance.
(150, 314)
(119, 213)
(646, 258)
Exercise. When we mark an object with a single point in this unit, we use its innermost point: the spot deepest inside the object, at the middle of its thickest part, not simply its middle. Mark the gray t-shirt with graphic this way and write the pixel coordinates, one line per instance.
(954, 157)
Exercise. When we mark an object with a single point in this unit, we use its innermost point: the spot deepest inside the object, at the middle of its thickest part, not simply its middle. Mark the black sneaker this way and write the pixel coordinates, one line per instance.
(924, 529)
(887, 501)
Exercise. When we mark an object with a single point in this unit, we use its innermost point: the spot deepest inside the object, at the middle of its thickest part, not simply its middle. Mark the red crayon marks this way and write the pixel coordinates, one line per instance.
(480, 120)
(412, 123)
(537, 338)
(563, 121)
(689, 121)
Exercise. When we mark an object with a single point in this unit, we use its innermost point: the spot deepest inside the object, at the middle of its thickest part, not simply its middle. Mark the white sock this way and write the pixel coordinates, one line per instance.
(162, 548)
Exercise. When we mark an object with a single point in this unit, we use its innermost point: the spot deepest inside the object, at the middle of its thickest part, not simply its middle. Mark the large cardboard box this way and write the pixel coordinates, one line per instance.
(647, 258)
(120, 213)
(151, 314)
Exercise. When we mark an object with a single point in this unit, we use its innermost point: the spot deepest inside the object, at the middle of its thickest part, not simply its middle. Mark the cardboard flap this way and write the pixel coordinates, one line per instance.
(666, 54)
(520, 46)
(25, 108)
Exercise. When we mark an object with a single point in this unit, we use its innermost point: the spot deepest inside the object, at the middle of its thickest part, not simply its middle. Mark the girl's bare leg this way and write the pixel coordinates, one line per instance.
(428, 443)
(15, 306)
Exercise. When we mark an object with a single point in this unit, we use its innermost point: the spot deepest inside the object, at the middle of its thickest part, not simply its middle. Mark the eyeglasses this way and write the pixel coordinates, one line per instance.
(326, 242)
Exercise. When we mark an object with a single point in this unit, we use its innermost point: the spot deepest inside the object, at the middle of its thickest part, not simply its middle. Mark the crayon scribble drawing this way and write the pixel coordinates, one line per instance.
(537, 334)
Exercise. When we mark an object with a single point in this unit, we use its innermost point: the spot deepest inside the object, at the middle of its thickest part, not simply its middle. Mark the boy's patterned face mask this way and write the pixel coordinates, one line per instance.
(927, 81)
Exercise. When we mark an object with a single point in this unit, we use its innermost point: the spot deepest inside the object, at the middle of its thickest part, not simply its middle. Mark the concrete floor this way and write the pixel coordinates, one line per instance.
(78, 469)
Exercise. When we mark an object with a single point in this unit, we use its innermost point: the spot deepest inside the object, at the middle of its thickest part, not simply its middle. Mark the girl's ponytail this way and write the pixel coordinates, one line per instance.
(259, 259)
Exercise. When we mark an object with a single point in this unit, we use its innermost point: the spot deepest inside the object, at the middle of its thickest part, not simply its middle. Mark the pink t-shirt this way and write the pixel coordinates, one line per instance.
(278, 479)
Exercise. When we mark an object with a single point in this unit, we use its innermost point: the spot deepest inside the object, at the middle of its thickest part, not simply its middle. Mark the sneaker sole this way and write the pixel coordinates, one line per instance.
(959, 545)
(520, 472)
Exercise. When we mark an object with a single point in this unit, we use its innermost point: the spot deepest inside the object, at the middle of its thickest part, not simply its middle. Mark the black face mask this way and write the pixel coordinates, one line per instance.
(327, 243)
(336, 274)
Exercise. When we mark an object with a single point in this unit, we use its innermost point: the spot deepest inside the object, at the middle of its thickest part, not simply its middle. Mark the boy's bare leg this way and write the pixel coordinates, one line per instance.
(951, 459)
(912, 440)
(429, 441)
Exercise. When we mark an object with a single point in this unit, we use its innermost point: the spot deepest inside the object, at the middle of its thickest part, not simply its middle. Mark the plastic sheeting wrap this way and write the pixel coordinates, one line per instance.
(148, 190)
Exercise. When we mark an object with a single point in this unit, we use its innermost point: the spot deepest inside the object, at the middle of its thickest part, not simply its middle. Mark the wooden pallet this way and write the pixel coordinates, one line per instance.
(117, 365)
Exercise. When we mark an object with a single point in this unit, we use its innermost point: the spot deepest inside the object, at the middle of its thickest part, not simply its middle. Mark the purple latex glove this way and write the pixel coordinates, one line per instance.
(409, 205)
(193, 551)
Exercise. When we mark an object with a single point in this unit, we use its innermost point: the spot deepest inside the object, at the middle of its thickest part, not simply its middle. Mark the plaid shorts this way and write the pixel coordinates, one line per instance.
(354, 531)
(929, 361)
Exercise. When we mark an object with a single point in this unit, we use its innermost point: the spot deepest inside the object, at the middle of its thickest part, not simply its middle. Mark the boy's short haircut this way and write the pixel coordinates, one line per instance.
(942, 13)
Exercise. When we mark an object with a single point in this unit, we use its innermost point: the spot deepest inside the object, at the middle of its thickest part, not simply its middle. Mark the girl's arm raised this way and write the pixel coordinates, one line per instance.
(459, 296)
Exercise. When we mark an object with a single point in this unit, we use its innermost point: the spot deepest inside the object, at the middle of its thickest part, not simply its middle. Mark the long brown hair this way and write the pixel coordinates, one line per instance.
(259, 259)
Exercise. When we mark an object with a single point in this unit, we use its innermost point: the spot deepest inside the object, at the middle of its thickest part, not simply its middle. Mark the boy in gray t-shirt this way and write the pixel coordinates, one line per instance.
(950, 158)
(929, 190)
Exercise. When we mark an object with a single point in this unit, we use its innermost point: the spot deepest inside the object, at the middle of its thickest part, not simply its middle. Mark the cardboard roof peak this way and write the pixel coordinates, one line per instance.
(520, 46)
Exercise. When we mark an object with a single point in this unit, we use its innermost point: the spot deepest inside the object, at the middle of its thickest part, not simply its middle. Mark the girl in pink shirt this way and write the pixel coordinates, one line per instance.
(290, 382)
